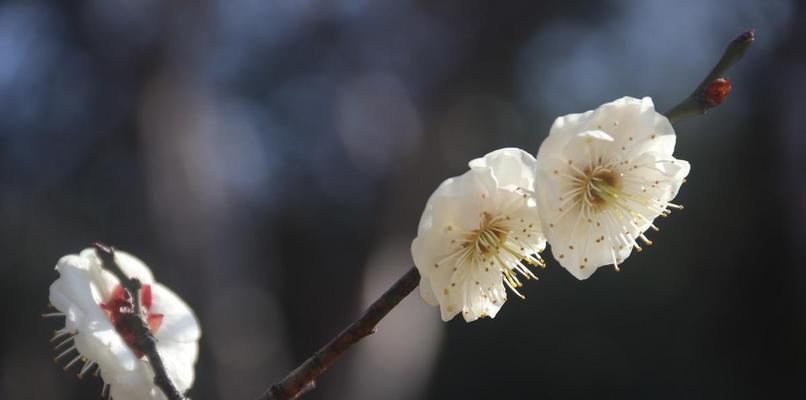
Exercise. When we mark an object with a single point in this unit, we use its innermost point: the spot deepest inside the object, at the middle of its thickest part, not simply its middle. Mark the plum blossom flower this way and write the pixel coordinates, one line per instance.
(92, 302)
(479, 232)
(605, 175)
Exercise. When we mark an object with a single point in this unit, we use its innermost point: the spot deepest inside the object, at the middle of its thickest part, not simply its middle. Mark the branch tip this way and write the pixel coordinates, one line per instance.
(745, 37)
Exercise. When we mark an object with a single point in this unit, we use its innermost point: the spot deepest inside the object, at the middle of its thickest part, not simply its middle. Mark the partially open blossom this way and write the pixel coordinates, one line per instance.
(604, 176)
(479, 232)
(92, 301)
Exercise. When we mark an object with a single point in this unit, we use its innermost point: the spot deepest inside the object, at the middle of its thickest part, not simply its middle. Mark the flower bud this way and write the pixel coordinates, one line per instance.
(716, 92)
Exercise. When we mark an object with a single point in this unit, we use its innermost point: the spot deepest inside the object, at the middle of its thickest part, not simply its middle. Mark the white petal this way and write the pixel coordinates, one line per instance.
(571, 124)
(663, 176)
(533, 222)
(664, 136)
(133, 267)
(421, 257)
(464, 289)
(179, 358)
(589, 136)
(101, 343)
(458, 200)
(625, 118)
(448, 311)
(659, 138)
(179, 324)
(510, 167)
(444, 285)
(133, 385)
(484, 294)
(574, 245)
(563, 130)
(676, 171)
(74, 285)
(426, 220)
(427, 291)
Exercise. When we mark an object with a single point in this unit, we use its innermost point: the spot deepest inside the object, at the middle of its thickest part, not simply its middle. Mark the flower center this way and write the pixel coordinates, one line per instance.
(120, 304)
(500, 243)
(487, 239)
(615, 201)
(601, 186)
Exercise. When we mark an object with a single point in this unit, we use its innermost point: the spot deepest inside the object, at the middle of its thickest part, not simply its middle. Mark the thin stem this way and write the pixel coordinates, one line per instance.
(143, 337)
(698, 102)
(303, 378)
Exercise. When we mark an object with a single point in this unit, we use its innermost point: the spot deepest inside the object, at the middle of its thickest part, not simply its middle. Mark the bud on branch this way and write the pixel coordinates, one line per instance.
(716, 92)
(715, 87)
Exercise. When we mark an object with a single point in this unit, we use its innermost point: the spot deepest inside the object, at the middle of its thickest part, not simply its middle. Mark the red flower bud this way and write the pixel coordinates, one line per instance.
(716, 92)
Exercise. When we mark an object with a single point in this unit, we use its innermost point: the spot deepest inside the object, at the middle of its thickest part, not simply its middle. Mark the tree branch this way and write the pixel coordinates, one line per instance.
(143, 337)
(303, 378)
(715, 87)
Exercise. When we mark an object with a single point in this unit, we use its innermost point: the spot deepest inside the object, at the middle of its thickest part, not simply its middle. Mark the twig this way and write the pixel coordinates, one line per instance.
(302, 379)
(143, 337)
(715, 87)
(710, 93)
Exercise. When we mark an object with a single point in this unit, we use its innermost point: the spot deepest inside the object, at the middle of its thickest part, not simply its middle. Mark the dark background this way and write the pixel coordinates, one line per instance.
(270, 160)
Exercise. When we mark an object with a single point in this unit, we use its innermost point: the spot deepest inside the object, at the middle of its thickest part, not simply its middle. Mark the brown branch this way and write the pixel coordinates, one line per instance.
(143, 337)
(303, 378)
(714, 88)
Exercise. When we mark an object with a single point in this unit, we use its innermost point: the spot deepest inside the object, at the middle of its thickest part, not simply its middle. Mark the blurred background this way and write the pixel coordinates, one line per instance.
(270, 160)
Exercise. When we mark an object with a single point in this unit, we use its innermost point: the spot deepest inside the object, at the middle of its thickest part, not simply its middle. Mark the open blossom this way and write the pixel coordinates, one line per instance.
(92, 302)
(479, 232)
(605, 175)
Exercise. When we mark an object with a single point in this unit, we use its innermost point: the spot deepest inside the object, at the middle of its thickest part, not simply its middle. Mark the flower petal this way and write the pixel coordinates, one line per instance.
(484, 293)
(421, 257)
(133, 267)
(179, 324)
(510, 167)
(74, 285)
(137, 384)
(179, 358)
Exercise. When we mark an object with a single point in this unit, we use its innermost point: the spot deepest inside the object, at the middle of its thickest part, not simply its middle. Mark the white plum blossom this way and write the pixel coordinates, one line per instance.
(478, 232)
(91, 301)
(604, 176)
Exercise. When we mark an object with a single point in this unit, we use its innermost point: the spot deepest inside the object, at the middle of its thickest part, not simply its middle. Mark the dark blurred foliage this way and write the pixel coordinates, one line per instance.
(270, 160)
